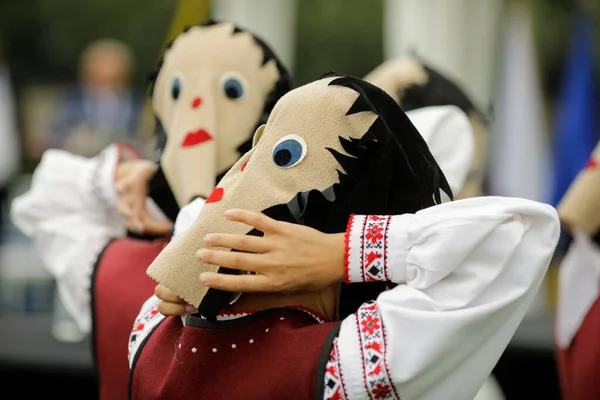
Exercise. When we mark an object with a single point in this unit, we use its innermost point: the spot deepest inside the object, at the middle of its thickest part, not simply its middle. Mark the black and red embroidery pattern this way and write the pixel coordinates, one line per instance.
(371, 333)
(374, 249)
(141, 327)
(334, 382)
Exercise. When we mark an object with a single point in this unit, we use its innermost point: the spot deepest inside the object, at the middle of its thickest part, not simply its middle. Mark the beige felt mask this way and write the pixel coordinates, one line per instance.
(580, 207)
(208, 96)
(287, 160)
(395, 76)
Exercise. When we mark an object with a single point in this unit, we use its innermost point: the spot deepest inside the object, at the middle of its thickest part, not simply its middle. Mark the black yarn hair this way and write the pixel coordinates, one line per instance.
(162, 193)
(388, 171)
(438, 91)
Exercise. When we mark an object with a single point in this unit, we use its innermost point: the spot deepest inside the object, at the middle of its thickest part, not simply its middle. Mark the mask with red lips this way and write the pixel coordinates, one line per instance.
(335, 147)
(216, 83)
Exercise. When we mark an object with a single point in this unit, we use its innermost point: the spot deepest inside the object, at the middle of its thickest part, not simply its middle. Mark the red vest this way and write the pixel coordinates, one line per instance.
(119, 288)
(270, 355)
(579, 365)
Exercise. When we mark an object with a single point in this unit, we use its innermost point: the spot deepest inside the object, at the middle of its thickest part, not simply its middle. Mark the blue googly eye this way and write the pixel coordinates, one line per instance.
(232, 86)
(289, 151)
(176, 88)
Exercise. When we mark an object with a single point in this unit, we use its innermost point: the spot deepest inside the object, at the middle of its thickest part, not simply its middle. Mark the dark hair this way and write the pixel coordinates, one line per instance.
(388, 171)
(438, 91)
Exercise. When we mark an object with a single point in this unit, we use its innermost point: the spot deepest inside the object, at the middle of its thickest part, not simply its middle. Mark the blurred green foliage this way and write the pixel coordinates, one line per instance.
(341, 35)
(43, 39)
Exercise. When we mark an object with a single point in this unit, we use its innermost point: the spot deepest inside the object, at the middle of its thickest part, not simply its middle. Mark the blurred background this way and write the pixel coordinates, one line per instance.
(73, 76)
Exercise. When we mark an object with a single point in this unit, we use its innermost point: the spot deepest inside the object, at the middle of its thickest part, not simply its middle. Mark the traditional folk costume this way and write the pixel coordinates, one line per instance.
(214, 86)
(78, 192)
(578, 313)
(340, 153)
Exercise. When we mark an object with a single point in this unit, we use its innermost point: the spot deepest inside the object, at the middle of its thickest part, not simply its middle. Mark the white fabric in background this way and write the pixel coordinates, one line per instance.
(449, 135)
(70, 214)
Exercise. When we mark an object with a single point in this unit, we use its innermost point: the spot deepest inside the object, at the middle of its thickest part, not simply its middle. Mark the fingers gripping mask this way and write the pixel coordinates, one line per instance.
(414, 86)
(580, 207)
(331, 148)
(215, 85)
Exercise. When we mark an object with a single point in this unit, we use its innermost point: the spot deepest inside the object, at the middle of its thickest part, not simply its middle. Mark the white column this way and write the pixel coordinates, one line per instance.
(457, 37)
(274, 21)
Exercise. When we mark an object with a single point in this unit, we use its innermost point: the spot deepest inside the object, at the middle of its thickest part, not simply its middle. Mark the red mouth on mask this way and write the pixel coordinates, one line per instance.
(195, 138)
(215, 195)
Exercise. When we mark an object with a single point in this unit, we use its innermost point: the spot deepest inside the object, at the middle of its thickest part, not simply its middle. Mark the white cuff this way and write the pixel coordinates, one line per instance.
(103, 172)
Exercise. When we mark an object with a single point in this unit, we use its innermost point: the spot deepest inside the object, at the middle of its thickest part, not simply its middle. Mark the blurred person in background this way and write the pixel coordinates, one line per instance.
(577, 322)
(10, 148)
(103, 108)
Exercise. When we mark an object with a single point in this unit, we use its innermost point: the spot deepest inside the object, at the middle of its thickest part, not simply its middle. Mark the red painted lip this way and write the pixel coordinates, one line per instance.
(215, 196)
(196, 138)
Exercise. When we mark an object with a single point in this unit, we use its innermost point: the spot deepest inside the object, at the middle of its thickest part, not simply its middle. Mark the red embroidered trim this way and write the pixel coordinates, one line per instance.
(347, 248)
(335, 389)
(386, 270)
(140, 325)
(373, 257)
(371, 334)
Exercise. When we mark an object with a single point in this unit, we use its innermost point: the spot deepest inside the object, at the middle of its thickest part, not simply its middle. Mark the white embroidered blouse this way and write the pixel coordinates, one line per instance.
(467, 271)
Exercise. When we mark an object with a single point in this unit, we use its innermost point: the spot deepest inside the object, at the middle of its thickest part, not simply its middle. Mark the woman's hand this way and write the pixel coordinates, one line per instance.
(132, 179)
(289, 258)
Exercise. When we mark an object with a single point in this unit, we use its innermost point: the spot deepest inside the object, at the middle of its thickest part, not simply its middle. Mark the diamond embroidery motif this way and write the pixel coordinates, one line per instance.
(377, 380)
(374, 270)
(334, 382)
(374, 249)
(140, 325)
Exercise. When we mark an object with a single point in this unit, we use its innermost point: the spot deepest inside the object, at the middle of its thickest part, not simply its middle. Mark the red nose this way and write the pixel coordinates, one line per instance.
(196, 102)
(215, 195)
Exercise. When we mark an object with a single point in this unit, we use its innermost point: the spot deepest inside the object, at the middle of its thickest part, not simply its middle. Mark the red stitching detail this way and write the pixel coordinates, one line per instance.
(347, 248)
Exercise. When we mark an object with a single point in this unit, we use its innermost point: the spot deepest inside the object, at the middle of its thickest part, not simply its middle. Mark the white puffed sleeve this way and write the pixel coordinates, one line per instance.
(467, 271)
(69, 213)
